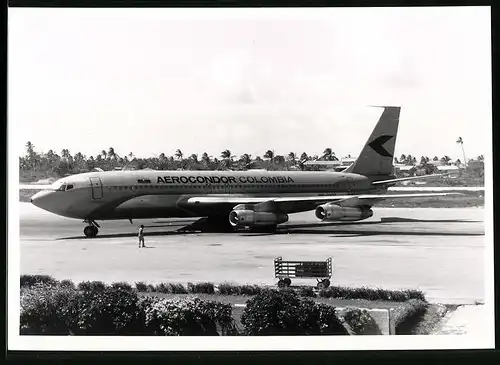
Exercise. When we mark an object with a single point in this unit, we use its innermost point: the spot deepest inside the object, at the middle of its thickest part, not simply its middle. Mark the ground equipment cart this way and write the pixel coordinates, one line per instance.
(285, 270)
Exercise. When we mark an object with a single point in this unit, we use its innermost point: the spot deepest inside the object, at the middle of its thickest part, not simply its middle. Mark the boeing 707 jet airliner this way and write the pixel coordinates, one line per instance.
(256, 199)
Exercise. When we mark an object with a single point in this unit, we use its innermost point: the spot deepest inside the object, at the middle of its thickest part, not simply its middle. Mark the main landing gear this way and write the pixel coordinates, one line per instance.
(92, 229)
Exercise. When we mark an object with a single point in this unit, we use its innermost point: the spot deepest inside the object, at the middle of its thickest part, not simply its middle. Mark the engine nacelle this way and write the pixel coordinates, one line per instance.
(247, 217)
(333, 212)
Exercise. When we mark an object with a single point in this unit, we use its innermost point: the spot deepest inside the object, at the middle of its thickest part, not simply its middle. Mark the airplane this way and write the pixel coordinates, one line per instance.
(256, 200)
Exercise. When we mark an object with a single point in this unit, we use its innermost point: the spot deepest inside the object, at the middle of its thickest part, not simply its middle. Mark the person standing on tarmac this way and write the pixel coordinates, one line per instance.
(141, 236)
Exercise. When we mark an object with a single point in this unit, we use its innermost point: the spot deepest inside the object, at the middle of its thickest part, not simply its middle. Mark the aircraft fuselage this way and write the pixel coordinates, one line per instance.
(161, 194)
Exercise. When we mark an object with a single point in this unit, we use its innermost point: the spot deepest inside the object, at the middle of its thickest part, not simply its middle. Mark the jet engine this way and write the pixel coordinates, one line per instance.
(249, 217)
(333, 212)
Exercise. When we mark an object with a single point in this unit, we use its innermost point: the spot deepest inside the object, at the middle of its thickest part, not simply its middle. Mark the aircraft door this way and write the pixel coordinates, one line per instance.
(96, 184)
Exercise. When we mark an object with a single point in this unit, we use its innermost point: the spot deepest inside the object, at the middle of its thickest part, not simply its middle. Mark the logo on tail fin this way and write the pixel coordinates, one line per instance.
(377, 145)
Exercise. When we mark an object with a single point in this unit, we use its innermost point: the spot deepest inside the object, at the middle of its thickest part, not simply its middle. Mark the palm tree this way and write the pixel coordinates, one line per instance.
(270, 155)
(205, 158)
(445, 160)
(461, 142)
(32, 156)
(292, 157)
(402, 159)
(179, 154)
(104, 154)
(246, 159)
(30, 148)
(225, 154)
(304, 157)
(112, 154)
(65, 154)
(279, 160)
(227, 159)
(329, 155)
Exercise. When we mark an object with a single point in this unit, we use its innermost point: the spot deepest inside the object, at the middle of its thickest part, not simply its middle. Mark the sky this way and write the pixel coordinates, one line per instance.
(152, 81)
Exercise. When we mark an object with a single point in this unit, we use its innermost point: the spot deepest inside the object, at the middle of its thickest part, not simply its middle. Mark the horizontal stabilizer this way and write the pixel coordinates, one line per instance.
(382, 182)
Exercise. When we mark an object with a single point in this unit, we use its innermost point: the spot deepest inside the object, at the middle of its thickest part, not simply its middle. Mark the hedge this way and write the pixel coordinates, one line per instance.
(234, 289)
(48, 309)
(371, 294)
(407, 317)
(94, 308)
(31, 280)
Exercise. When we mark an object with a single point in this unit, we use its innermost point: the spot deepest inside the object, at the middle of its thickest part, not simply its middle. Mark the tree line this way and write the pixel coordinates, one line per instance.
(65, 163)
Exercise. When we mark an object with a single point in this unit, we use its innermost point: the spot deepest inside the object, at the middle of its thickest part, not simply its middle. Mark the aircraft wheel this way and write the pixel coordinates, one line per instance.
(320, 285)
(90, 231)
(281, 283)
(287, 281)
(326, 283)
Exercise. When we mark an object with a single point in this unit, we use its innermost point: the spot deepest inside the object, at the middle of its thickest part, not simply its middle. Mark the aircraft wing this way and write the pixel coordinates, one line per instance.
(293, 204)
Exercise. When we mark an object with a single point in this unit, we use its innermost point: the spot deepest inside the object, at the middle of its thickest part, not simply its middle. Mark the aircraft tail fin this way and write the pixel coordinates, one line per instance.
(377, 155)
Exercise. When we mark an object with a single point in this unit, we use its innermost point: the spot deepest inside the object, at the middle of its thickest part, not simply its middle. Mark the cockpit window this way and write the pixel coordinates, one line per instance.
(62, 187)
(70, 186)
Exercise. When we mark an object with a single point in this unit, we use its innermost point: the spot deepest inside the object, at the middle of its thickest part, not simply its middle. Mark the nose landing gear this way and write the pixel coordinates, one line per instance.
(92, 229)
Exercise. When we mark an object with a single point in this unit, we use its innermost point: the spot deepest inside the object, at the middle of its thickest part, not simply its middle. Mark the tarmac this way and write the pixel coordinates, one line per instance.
(437, 250)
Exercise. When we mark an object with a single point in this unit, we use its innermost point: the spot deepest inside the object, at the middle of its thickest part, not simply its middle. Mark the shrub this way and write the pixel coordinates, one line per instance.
(177, 289)
(229, 289)
(204, 288)
(307, 291)
(151, 288)
(110, 311)
(30, 280)
(67, 284)
(141, 287)
(122, 285)
(46, 309)
(250, 289)
(189, 317)
(361, 322)
(407, 317)
(232, 289)
(329, 321)
(91, 286)
(283, 312)
(162, 288)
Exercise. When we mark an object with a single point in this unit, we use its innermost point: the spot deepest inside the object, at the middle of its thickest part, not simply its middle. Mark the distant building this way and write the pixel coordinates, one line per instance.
(347, 161)
(452, 169)
(405, 170)
(318, 165)
(337, 165)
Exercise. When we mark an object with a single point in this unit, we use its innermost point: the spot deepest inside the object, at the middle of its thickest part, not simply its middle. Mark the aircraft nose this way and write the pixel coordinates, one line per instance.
(43, 200)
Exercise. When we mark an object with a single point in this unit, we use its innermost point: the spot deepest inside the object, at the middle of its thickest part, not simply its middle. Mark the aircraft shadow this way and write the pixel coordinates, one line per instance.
(382, 220)
(354, 233)
(124, 235)
(305, 228)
